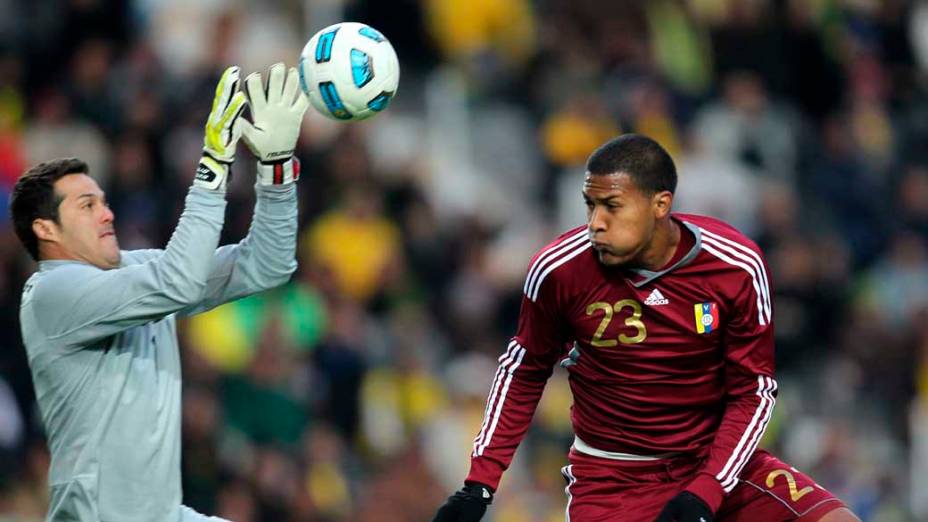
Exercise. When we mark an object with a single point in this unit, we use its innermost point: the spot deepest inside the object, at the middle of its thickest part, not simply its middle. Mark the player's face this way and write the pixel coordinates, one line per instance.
(86, 230)
(621, 218)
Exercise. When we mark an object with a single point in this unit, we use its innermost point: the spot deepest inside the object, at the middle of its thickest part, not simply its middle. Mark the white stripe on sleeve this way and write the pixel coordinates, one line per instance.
(552, 253)
(710, 247)
(752, 257)
(533, 292)
(519, 353)
(752, 435)
(504, 360)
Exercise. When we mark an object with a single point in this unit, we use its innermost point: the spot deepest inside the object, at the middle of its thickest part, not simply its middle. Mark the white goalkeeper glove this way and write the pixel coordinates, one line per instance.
(223, 130)
(277, 113)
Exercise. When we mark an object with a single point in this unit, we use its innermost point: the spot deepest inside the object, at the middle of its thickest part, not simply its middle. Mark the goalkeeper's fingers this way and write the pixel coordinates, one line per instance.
(225, 90)
(233, 111)
(222, 134)
(254, 88)
(236, 108)
(291, 87)
(275, 83)
(300, 105)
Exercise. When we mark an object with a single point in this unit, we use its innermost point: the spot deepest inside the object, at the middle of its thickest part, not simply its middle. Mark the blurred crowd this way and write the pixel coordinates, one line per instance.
(353, 393)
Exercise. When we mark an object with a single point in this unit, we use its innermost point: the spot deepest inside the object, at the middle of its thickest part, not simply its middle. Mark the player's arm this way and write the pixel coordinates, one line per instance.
(750, 389)
(81, 303)
(266, 257)
(523, 370)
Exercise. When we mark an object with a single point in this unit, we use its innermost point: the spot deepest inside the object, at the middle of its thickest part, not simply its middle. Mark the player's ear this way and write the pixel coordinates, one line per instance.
(662, 202)
(45, 229)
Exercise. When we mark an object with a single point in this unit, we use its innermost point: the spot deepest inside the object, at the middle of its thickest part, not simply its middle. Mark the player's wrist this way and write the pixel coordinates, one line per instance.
(279, 172)
(708, 489)
(485, 471)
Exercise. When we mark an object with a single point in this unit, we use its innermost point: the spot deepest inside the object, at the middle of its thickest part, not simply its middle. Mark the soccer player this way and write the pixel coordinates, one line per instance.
(665, 326)
(99, 324)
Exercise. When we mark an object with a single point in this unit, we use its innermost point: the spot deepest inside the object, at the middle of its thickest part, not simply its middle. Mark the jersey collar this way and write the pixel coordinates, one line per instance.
(649, 275)
(51, 264)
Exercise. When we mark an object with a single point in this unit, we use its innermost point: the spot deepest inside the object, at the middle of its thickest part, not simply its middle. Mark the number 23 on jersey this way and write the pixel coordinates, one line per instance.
(609, 310)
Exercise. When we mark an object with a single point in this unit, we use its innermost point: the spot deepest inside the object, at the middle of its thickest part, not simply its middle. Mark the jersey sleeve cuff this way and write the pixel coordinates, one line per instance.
(708, 489)
(484, 471)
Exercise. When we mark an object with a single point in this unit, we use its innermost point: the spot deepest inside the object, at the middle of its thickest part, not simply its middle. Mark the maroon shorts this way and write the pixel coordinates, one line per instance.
(600, 490)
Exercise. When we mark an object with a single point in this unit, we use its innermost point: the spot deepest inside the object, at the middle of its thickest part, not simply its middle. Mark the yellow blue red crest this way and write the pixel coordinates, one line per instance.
(707, 317)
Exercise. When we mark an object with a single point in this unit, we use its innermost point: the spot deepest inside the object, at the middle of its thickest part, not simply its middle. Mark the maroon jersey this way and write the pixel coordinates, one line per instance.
(679, 360)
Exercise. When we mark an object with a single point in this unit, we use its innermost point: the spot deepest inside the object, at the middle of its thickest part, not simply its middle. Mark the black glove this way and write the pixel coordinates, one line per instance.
(685, 507)
(467, 505)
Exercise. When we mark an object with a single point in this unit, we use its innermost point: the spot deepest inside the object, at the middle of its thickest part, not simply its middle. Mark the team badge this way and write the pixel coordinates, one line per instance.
(707, 317)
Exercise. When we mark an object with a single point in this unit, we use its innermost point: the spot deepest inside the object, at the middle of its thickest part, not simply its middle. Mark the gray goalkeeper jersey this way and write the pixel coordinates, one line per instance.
(102, 347)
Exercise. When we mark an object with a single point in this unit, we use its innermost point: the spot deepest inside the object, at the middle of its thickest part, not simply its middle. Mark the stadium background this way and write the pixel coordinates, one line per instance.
(353, 393)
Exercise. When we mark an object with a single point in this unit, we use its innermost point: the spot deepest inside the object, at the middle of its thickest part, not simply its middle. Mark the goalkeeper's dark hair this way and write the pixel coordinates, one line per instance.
(34, 198)
(642, 158)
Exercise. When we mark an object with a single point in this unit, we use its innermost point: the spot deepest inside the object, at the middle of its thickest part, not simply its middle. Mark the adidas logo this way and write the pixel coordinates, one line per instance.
(656, 299)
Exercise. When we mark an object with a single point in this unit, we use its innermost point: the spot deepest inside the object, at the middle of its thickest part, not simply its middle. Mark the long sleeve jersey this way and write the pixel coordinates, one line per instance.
(675, 361)
(102, 348)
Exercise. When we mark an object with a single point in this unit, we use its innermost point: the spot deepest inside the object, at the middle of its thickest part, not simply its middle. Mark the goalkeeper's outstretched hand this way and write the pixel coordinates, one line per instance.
(277, 111)
(685, 507)
(223, 130)
(467, 505)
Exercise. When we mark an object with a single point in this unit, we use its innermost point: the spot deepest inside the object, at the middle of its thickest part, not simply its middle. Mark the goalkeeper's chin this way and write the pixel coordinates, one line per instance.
(110, 256)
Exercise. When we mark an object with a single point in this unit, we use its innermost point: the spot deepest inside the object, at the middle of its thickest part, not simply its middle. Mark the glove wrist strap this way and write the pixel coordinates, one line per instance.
(211, 174)
(479, 492)
(280, 172)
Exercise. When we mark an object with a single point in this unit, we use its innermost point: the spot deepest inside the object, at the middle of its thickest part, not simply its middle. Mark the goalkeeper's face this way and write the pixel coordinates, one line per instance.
(85, 223)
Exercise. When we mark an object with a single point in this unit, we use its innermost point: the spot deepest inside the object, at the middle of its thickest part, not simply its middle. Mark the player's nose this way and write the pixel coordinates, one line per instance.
(596, 223)
(107, 216)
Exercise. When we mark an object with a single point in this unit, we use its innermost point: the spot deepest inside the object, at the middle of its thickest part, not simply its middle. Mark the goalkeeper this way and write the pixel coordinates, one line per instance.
(99, 324)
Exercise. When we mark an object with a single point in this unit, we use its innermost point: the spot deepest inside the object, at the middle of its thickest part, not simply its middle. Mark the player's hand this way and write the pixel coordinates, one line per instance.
(685, 507)
(223, 130)
(467, 505)
(277, 112)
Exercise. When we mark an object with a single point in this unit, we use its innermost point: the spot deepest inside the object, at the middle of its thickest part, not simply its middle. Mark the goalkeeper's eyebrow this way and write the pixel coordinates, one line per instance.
(91, 195)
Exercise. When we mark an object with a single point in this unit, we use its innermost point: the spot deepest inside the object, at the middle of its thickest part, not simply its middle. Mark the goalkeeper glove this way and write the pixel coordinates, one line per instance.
(277, 113)
(223, 130)
(467, 505)
(685, 507)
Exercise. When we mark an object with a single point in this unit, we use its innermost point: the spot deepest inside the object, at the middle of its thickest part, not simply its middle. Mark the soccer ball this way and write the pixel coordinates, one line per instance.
(349, 71)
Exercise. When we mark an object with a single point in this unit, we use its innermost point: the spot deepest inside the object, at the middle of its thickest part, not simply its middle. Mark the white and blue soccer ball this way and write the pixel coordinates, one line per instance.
(349, 71)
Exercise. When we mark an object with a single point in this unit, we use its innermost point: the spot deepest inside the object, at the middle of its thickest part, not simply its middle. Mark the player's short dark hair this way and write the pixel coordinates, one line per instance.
(642, 158)
(34, 198)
